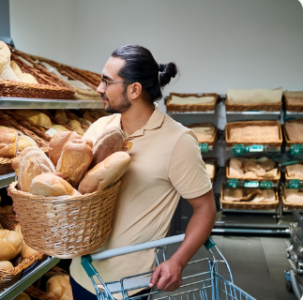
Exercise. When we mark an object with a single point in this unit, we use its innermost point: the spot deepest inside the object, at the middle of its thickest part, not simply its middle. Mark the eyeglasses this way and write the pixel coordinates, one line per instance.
(108, 82)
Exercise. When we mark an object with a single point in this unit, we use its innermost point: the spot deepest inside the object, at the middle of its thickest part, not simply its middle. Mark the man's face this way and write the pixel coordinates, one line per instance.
(115, 95)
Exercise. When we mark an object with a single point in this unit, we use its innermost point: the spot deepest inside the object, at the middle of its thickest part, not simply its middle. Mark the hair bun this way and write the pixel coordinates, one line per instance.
(167, 71)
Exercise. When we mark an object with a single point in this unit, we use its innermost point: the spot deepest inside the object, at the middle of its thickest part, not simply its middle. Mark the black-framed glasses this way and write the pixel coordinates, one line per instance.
(109, 82)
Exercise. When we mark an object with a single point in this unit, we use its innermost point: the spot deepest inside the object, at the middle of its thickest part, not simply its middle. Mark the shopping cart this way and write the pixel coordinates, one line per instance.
(204, 284)
(294, 276)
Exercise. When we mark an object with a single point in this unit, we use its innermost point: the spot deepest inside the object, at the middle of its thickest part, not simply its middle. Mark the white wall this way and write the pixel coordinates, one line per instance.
(217, 44)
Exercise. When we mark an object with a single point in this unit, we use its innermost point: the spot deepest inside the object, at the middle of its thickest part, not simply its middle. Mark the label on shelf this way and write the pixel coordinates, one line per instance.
(203, 147)
(238, 149)
(254, 148)
(251, 184)
(294, 184)
(265, 184)
(232, 183)
(296, 149)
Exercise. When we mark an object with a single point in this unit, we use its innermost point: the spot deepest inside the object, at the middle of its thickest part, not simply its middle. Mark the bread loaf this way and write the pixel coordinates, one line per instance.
(33, 162)
(35, 117)
(59, 128)
(76, 125)
(22, 296)
(61, 116)
(10, 244)
(57, 143)
(57, 285)
(74, 161)
(8, 142)
(6, 265)
(49, 184)
(5, 55)
(15, 67)
(105, 173)
(8, 74)
(25, 141)
(109, 142)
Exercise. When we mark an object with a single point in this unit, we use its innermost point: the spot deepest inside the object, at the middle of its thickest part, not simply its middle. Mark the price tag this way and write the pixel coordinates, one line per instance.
(251, 184)
(294, 184)
(296, 149)
(265, 184)
(238, 149)
(254, 148)
(232, 183)
(203, 147)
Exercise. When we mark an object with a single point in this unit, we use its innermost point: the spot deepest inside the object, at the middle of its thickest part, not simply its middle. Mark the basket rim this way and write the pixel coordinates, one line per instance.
(214, 136)
(286, 204)
(254, 105)
(65, 199)
(291, 178)
(287, 140)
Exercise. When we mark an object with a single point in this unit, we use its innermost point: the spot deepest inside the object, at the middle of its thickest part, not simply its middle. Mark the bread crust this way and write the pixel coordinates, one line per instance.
(10, 244)
(8, 142)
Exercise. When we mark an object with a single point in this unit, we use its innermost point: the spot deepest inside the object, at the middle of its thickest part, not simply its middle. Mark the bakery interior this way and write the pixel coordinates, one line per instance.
(240, 89)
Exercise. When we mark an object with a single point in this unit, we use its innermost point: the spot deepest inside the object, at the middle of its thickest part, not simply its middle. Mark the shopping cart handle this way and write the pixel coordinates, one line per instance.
(149, 245)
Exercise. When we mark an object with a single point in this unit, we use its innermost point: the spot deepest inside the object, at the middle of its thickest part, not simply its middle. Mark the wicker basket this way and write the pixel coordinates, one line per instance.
(248, 107)
(65, 227)
(8, 277)
(211, 141)
(289, 206)
(298, 107)
(228, 126)
(287, 178)
(287, 140)
(248, 205)
(5, 166)
(259, 179)
(191, 107)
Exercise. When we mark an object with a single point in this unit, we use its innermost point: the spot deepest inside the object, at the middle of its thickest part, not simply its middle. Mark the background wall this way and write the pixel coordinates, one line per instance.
(217, 44)
(4, 18)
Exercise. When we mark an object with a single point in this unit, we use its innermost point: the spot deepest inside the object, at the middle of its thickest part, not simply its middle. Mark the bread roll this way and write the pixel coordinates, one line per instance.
(61, 116)
(76, 125)
(8, 74)
(57, 143)
(35, 117)
(10, 244)
(49, 184)
(15, 67)
(105, 173)
(25, 141)
(74, 161)
(22, 296)
(27, 78)
(57, 285)
(6, 265)
(59, 128)
(33, 162)
(109, 142)
(8, 142)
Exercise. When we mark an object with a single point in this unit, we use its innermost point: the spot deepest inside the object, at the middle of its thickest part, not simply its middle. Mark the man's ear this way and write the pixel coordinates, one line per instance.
(135, 90)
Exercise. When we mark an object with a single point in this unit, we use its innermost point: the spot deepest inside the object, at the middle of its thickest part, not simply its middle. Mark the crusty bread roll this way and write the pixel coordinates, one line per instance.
(61, 116)
(8, 142)
(57, 143)
(22, 296)
(105, 173)
(57, 286)
(35, 117)
(74, 161)
(10, 244)
(76, 125)
(109, 142)
(59, 128)
(33, 162)
(68, 295)
(49, 184)
(15, 67)
(27, 78)
(6, 265)
(25, 141)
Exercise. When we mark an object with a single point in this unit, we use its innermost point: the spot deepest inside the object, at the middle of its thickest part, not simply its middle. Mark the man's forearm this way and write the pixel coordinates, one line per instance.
(197, 232)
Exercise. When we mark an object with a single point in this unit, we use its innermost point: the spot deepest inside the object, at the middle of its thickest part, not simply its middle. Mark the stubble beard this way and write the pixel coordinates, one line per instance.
(123, 106)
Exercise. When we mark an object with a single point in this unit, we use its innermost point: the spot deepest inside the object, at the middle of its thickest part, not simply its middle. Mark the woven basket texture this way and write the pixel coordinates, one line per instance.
(5, 166)
(228, 126)
(241, 205)
(259, 179)
(211, 141)
(248, 107)
(289, 206)
(191, 107)
(287, 140)
(8, 277)
(298, 107)
(287, 178)
(69, 227)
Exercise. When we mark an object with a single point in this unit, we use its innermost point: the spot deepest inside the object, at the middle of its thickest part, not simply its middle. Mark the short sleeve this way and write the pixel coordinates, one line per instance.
(187, 170)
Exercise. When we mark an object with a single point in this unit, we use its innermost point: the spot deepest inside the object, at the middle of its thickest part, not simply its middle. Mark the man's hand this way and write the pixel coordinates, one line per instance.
(167, 276)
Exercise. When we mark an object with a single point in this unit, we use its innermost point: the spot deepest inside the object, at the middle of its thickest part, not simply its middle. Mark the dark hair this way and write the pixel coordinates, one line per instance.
(140, 66)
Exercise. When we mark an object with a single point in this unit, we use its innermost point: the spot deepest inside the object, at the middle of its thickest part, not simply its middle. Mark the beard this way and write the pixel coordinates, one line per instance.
(123, 106)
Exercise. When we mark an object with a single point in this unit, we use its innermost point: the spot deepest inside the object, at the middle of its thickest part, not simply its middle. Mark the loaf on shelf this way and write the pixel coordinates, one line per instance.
(292, 198)
(293, 131)
(294, 171)
(294, 101)
(254, 133)
(256, 99)
(191, 102)
(205, 132)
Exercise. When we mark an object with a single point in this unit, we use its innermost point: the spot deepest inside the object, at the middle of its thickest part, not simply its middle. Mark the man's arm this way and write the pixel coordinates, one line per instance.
(168, 275)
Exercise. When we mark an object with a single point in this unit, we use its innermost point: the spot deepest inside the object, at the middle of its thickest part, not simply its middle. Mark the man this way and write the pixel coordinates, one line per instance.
(165, 163)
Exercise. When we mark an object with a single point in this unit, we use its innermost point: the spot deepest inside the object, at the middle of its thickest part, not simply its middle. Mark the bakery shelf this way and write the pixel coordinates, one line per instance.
(264, 149)
(260, 112)
(33, 103)
(239, 183)
(210, 112)
(6, 179)
(27, 279)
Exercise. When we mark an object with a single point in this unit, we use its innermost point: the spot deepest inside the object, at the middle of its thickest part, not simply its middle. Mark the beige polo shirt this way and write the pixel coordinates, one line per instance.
(165, 163)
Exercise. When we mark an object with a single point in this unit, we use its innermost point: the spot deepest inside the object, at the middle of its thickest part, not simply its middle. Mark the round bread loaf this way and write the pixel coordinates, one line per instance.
(109, 142)
(6, 265)
(105, 173)
(25, 141)
(76, 125)
(22, 296)
(8, 142)
(10, 244)
(57, 286)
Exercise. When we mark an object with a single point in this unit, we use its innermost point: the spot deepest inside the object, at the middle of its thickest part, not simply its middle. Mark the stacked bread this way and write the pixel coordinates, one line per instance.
(294, 130)
(75, 166)
(249, 195)
(260, 168)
